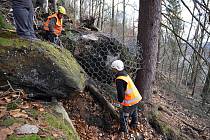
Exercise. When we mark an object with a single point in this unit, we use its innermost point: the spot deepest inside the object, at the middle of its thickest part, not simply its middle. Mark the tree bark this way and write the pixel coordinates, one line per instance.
(185, 51)
(74, 12)
(99, 14)
(90, 7)
(123, 21)
(102, 15)
(148, 35)
(206, 88)
(80, 9)
(112, 20)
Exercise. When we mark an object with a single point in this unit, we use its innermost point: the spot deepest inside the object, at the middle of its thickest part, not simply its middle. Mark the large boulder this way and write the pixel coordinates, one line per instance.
(95, 51)
(39, 67)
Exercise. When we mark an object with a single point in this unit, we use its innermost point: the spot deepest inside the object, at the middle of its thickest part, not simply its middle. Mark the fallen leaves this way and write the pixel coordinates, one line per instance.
(25, 105)
(3, 111)
(18, 113)
(41, 109)
(7, 99)
(13, 105)
(4, 132)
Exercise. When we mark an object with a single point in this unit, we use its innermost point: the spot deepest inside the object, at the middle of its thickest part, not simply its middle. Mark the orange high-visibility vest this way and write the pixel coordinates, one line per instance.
(132, 95)
(58, 26)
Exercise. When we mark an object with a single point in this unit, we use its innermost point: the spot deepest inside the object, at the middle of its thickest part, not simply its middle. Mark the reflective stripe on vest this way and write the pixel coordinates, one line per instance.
(58, 26)
(132, 95)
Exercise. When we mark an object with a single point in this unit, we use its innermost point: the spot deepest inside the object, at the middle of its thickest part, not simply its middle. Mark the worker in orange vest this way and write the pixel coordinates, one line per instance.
(54, 25)
(128, 96)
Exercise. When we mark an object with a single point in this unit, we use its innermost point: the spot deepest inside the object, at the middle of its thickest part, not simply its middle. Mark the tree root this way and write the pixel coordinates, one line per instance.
(96, 94)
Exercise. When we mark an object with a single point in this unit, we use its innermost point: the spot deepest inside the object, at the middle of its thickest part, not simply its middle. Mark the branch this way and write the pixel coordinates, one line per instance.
(195, 17)
(177, 40)
(185, 42)
(164, 4)
(10, 90)
(203, 6)
(100, 98)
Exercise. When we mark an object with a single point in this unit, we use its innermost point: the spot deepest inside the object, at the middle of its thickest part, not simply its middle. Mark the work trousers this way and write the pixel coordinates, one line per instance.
(24, 22)
(125, 113)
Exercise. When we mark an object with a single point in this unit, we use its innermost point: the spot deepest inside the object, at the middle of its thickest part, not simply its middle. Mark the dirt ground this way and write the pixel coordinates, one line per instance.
(180, 112)
(92, 122)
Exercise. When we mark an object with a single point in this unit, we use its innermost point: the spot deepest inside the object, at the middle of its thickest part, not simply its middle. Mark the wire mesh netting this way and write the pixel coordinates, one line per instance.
(96, 51)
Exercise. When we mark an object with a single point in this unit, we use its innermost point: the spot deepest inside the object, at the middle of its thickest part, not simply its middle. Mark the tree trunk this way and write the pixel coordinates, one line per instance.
(185, 51)
(102, 15)
(206, 88)
(112, 20)
(74, 12)
(92, 6)
(80, 9)
(134, 38)
(123, 21)
(148, 35)
(96, 8)
(100, 98)
(170, 67)
(183, 66)
(99, 14)
(177, 69)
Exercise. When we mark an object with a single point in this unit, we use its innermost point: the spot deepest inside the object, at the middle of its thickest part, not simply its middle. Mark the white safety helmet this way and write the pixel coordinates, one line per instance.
(118, 65)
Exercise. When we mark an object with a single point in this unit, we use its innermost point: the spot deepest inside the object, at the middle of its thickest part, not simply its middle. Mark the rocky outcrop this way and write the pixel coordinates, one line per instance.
(39, 67)
(95, 51)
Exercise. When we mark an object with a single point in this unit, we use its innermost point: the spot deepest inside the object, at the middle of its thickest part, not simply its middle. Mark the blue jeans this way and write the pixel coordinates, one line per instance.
(125, 113)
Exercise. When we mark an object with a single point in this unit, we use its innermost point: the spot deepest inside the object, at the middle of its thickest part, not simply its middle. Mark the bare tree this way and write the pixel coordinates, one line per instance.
(102, 14)
(123, 21)
(99, 13)
(112, 19)
(206, 88)
(81, 8)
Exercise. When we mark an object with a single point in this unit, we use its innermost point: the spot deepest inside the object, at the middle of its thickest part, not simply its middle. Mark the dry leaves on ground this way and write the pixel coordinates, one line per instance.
(17, 113)
(4, 132)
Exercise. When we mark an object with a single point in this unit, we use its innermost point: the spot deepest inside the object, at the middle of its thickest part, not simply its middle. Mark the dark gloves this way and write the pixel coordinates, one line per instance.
(53, 34)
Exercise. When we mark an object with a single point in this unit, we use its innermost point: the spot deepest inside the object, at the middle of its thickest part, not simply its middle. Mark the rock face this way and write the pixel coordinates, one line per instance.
(95, 51)
(39, 67)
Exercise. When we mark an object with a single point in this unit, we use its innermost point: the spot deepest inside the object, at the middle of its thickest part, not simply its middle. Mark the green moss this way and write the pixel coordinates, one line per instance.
(5, 42)
(8, 121)
(67, 63)
(168, 131)
(61, 124)
(61, 57)
(3, 24)
(13, 105)
(32, 112)
(27, 137)
(161, 127)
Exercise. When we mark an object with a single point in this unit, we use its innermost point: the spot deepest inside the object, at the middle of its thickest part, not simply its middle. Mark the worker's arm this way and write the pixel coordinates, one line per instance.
(121, 87)
(52, 24)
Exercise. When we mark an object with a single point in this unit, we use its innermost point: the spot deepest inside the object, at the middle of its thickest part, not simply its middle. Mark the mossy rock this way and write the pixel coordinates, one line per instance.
(55, 122)
(57, 118)
(162, 127)
(39, 67)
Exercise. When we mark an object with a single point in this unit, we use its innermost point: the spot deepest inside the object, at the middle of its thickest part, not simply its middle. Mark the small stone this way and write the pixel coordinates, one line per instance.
(27, 129)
